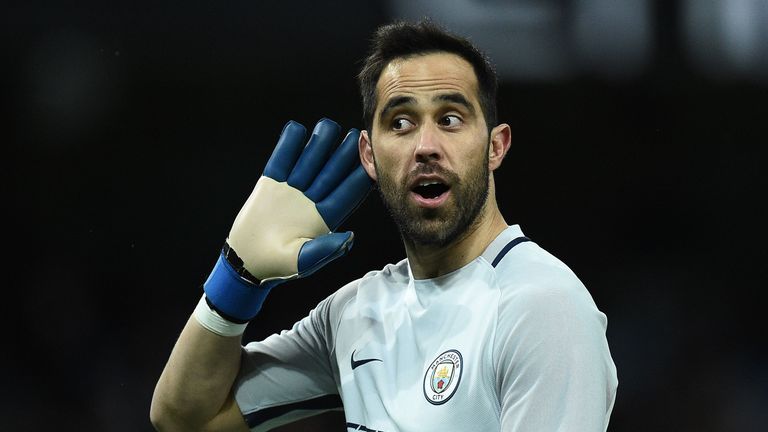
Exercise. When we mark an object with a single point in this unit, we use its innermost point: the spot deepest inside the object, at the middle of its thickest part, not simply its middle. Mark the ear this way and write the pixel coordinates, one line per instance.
(366, 154)
(501, 139)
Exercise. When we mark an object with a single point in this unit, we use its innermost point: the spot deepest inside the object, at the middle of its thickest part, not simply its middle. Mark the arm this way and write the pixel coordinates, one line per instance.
(193, 392)
(284, 231)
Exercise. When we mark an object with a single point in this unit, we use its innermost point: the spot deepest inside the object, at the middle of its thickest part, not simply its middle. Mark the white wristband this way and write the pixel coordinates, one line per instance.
(212, 321)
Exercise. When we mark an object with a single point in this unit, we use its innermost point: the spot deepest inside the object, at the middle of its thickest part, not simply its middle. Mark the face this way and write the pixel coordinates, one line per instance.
(429, 147)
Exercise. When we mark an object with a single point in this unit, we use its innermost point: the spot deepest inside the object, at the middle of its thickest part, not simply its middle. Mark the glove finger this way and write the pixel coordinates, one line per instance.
(286, 151)
(345, 198)
(315, 154)
(318, 252)
(342, 162)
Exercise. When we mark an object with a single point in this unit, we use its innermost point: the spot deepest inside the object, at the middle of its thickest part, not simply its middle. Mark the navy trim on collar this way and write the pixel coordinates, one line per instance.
(507, 248)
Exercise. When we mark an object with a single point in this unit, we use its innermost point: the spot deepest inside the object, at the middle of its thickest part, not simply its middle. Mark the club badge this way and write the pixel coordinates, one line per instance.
(443, 377)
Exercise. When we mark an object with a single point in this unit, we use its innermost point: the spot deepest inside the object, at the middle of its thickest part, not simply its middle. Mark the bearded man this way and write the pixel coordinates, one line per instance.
(478, 329)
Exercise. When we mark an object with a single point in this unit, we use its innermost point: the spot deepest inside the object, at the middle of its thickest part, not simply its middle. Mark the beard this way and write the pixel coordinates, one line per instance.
(437, 227)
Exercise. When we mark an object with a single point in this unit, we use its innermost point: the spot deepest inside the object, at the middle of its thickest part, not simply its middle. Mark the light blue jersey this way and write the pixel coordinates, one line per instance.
(512, 341)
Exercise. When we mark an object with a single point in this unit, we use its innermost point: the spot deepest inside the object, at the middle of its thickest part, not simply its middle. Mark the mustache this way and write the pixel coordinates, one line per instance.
(431, 168)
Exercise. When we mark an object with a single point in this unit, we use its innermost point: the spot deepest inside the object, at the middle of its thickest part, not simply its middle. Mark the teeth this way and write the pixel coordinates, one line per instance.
(427, 183)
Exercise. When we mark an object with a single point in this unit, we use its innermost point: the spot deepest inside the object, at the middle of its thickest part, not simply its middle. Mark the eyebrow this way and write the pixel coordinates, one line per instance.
(456, 98)
(396, 102)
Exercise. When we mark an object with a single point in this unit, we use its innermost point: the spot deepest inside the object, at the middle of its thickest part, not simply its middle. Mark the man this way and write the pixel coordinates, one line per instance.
(479, 329)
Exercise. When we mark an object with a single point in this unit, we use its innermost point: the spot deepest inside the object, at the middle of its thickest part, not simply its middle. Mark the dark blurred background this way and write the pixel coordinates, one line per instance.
(134, 131)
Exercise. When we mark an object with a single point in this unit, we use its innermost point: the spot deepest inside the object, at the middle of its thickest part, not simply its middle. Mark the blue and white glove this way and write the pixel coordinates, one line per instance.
(285, 229)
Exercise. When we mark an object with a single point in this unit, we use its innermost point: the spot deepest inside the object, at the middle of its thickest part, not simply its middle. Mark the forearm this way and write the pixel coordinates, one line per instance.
(197, 379)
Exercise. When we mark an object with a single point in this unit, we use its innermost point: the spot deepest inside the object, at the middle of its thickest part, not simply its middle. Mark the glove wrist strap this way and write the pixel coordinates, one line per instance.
(232, 292)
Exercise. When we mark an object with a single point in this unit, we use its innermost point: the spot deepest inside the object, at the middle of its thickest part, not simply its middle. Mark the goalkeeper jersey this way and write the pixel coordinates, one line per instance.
(512, 341)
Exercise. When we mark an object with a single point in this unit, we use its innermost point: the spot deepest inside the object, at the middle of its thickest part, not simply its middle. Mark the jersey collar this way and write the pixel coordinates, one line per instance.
(510, 233)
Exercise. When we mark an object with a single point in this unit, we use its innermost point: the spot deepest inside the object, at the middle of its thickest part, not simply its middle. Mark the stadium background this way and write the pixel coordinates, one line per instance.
(133, 132)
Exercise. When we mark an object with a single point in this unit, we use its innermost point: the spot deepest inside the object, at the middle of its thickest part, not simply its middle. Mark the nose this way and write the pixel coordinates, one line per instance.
(428, 147)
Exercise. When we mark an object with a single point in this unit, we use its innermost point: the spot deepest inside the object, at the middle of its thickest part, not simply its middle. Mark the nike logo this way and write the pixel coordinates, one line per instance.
(356, 363)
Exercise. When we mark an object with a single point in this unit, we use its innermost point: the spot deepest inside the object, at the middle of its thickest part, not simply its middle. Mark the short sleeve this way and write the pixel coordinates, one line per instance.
(289, 376)
(554, 368)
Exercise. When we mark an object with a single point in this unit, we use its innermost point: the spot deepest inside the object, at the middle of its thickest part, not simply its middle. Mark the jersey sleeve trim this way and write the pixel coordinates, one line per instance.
(318, 405)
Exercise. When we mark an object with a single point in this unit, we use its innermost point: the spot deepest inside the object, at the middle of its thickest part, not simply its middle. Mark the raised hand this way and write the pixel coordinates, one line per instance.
(285, 228)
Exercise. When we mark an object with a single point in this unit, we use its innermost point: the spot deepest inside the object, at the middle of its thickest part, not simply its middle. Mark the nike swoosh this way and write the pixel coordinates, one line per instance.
(356, 363)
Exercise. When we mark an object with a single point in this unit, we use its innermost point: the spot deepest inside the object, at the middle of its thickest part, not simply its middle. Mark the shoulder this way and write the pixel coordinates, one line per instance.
(536, 284)
(528, 268)
(545, 312)
(518, 262)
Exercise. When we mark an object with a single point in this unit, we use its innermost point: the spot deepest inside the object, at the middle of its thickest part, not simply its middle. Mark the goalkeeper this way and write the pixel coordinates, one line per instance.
(477, 329)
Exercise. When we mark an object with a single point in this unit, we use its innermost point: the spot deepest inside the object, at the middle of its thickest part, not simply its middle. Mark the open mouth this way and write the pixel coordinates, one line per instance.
(431, 189)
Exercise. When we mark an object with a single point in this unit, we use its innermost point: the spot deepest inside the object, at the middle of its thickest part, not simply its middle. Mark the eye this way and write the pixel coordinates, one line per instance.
(401, 124)
(450, 121)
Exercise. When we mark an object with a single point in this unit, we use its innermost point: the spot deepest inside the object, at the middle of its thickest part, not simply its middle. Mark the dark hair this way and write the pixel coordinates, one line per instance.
(402, 40)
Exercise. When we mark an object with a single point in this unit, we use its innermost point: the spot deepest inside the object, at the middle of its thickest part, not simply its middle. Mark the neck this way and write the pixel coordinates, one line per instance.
(428, 262)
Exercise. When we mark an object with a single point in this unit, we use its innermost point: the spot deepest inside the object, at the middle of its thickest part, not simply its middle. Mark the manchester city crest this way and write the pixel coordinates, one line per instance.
(442, 377)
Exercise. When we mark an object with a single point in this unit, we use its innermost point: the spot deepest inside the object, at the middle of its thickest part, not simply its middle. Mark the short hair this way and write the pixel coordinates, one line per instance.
(402, 40)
